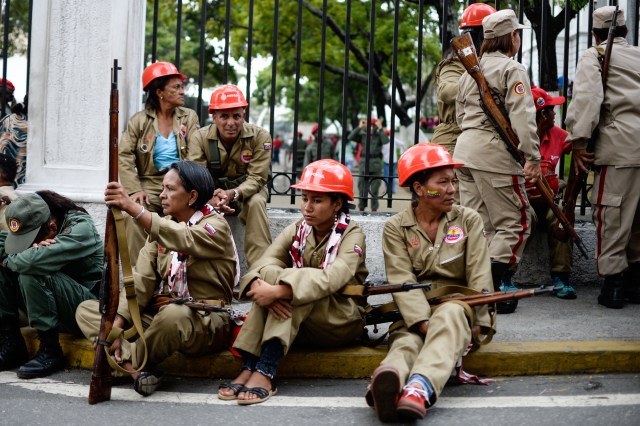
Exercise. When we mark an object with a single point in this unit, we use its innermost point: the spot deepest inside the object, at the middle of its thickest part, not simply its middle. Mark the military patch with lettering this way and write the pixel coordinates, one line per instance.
(519, 89)
(246, 156)
(454, 234)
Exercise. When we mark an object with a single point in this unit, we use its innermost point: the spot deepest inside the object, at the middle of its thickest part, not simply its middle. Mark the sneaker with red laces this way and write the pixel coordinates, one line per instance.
(413, 402)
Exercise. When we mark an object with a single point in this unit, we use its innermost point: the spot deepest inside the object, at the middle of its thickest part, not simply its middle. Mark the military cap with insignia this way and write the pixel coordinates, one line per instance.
(25, 216)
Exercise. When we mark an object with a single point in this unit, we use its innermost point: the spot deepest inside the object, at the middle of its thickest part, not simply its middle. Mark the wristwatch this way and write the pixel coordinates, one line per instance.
(236, 194)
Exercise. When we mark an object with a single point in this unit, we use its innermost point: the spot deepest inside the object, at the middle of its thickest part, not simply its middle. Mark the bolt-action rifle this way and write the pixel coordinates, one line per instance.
(100, 387)
(465, 50)
(576, 181)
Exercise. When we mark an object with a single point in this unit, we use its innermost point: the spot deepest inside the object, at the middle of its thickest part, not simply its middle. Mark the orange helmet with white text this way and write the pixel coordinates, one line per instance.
(326, 175)
(474, 14)
(227, 96)
(423, 156)
(159, 69)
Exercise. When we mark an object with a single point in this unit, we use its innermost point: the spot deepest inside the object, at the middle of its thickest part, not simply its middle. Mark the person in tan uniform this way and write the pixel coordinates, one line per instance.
(442, 243)
(491, 181)
(190, 253)
(615, 196)
(448, 73)
(297, 286)
(238, 155)
(153, 140)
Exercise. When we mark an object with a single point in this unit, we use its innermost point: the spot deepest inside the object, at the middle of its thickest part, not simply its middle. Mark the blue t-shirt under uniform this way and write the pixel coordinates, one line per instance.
(165, 152)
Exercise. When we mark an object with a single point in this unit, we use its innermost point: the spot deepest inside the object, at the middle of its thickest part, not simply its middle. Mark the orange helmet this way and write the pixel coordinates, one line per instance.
(326, 176)
(159, 69)
(227, 96)
(423, 156)
(474, 14)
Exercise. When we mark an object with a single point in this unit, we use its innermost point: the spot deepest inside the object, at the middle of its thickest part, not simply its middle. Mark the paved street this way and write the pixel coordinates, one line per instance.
(540, 400)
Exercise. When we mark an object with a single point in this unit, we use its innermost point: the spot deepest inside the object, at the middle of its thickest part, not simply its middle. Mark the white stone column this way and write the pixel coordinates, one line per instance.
(73, 45)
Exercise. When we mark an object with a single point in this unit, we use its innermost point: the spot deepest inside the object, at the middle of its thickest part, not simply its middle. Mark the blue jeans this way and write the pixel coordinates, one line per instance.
(390, 176)
(267, 363)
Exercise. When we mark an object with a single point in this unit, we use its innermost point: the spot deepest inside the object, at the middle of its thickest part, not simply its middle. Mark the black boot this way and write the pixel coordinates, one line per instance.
(612, 293)
(501, 274)
(632, 283)
(48, 360)
(13, 351)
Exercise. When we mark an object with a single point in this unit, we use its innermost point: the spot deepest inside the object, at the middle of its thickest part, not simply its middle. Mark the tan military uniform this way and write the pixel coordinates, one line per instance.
(458, 256)
(250, 156)
(492, 182)
(322, 317)
(210, 273)
(616, 189)
(447, 76)
(136, 168)
(10, 193)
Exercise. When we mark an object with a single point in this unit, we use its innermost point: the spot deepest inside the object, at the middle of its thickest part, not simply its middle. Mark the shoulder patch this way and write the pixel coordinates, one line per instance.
(66, 231)
(210, 229)
(357, 249)
(519, 89)
(454, 234)
(267, 146)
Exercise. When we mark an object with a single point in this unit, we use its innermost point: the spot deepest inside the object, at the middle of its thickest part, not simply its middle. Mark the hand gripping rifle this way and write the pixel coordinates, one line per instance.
(465, 50)
(100, 387)
(576, 182)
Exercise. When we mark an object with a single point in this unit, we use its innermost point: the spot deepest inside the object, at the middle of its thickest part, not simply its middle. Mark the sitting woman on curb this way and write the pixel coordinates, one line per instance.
(189, 253)
(298, 285)
(438, 242)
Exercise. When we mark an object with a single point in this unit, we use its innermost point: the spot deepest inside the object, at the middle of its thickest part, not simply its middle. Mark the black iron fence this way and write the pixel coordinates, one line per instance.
(337, 62)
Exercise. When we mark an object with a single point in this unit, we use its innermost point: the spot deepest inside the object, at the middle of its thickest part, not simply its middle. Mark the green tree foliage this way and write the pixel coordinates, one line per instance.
(18, 26)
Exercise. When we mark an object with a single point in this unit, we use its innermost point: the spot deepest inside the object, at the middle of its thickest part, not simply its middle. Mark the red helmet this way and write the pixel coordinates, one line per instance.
(10, 85)
(227, 96)
(314, 129)
(159, 69)
(423, 156)
(474, 14)
(326, 176)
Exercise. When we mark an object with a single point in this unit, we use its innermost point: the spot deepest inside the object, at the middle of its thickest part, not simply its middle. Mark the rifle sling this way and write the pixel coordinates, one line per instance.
(132, 301)
(215, 166)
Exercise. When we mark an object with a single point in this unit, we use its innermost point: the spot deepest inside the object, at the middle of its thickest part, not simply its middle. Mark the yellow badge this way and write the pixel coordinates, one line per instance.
(519, 89)
(14, 225)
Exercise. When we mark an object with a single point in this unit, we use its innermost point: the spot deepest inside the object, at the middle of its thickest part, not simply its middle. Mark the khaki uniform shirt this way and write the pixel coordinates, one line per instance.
(311, 283)
(458, 256)
(250, 155)
(211, 266)
(135, 151)
(616, 113)
(448, 75)
(479, 146)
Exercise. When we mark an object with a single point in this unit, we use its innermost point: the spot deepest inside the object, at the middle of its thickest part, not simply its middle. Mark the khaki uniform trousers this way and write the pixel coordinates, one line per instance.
(502, 203)
(560, 253)
(175, 328)
(136, 235)
(257, 233)
(448, 336)
(616, 214)
(312, 323)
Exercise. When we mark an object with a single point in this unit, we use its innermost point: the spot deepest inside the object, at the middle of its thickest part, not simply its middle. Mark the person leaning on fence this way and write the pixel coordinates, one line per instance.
(299, 286)
(51, 262)
(189, 253)
(553, 145)
(448, 73)
(491, 181)
(154, 139)
(376, 169)
(444, 244)
(616, 186)
(238, 155)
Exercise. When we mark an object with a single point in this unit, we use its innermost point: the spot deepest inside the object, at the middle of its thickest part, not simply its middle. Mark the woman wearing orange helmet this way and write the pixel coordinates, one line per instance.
(153, 140)
(437, 241)
(298, 285)
(448, 73)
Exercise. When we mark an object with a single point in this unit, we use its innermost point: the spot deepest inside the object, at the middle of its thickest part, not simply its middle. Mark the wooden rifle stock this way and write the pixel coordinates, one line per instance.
(576, 182)
(100, 387)
(465, 50)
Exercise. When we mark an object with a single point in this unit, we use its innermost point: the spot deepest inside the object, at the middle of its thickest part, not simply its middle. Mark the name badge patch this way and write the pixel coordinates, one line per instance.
(454, 234)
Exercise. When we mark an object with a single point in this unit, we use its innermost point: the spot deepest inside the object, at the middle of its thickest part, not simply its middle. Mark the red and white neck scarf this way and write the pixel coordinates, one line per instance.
(330, 252)
(177, 276)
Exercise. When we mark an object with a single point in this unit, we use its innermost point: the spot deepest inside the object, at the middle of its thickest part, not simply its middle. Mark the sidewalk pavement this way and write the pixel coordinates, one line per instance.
(546, 335)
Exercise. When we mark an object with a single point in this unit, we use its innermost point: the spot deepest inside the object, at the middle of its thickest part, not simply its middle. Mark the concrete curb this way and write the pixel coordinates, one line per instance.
(495, 359)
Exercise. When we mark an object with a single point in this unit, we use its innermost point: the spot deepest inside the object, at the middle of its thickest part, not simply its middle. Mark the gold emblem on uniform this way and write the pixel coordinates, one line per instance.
(519, 89)
(14, 224)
